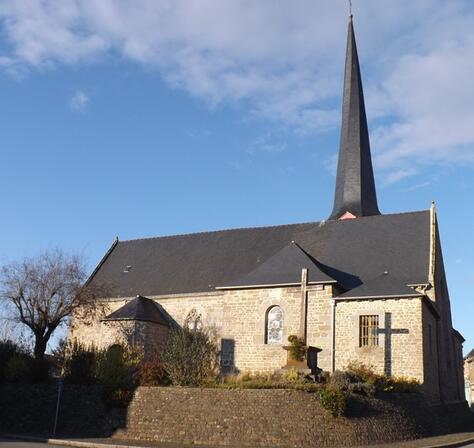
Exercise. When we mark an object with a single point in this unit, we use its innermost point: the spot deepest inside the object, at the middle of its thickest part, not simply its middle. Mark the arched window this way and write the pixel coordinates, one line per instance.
(274, 327)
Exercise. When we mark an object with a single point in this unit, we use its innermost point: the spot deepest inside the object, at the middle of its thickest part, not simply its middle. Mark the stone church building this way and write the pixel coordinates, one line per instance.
(359, 286)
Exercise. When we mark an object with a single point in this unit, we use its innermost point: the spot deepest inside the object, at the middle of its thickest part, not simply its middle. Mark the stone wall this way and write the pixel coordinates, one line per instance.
(450, 365)
(407, 325)
(224, 417)
(238, 318)
(319, 323)
(430, 354)
(469, 379)
(244, 325)
(102, 334)
(400, 349)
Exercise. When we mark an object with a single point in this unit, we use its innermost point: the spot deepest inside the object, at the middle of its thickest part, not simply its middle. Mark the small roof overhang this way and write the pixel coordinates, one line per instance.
(384, 286)
(139, 309)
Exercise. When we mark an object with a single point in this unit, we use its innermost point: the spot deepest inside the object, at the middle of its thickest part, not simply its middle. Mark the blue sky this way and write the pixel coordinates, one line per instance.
(150, 118)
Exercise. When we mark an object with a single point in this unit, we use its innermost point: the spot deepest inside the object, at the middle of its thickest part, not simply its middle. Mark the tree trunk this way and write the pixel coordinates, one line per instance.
(40, 346)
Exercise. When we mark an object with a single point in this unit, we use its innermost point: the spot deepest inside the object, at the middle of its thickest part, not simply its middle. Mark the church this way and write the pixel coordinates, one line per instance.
(359, 286)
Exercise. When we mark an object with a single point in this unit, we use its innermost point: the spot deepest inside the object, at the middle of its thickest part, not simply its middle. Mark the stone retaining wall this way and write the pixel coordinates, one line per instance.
(224, 417)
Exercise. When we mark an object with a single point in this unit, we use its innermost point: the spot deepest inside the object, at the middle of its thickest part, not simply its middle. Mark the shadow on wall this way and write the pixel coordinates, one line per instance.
(388, 332)
(31, 409)
(86, 410)
(227, 357)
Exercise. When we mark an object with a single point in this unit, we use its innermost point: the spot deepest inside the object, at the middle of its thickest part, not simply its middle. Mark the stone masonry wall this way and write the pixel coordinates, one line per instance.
(102, 334)
(244, 326)
(223, 417)
(430, 355)
(92, 332)
(400, 349)
(238, 318)
(319, 323)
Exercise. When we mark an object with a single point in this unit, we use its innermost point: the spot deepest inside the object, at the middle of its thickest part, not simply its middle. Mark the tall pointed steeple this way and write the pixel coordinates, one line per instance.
(355, 186)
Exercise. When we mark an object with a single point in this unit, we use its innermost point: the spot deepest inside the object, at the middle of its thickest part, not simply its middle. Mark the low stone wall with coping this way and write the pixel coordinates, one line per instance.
(224, 417)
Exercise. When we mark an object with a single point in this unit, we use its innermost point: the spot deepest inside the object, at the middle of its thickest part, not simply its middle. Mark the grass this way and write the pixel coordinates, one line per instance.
(290, 380)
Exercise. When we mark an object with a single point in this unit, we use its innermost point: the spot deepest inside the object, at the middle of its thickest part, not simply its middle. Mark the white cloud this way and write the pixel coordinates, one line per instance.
(267, 142)
(78, 101)
(282, 60)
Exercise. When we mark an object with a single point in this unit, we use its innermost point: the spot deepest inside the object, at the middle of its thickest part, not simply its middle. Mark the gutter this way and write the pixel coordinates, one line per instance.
(397, 296)
(274, 285)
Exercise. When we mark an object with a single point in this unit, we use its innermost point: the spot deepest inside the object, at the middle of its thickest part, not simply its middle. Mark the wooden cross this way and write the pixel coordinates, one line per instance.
(304, 304)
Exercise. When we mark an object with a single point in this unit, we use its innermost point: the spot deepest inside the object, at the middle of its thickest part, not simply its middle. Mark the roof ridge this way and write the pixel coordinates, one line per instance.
(218, 231)
(323, 221)
(376, 216)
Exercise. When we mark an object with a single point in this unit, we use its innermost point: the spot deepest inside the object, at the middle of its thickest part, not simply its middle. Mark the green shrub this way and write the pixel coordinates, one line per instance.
(152, 373)
(366, 389)
(292, 380)
(333, 400)
(402, 384)
(190, 354)
(297, 348)
(40, 370)
(343, 380)
(117, 398)
(292, 375)
(251, 384)
(8, 349)
(112, 370)
(308, 386)
(381, 382)
(17, 365)
(366, 373)
(406, 385)
(80, 364)
(18, 369)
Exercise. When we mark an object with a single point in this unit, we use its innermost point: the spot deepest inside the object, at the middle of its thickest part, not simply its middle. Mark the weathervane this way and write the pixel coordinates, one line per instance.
(350, 8)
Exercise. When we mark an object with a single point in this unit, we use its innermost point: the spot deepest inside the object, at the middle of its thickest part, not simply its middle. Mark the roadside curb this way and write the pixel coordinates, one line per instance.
(66, 442)
(452, 444)
(79, 444)
(417, 443)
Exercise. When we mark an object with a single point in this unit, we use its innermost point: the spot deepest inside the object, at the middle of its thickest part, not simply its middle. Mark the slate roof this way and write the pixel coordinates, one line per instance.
(283, 268)
(355, 185)
(350, 251)
(383, 286)
(140, 309)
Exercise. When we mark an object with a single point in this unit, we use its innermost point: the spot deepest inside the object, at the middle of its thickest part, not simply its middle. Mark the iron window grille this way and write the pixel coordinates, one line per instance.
(368, 331)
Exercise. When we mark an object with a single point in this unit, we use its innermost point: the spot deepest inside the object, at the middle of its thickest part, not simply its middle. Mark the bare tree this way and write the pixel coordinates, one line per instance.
(45, 291)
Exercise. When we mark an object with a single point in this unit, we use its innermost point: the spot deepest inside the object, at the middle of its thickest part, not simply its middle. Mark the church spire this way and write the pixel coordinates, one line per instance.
(355, 186)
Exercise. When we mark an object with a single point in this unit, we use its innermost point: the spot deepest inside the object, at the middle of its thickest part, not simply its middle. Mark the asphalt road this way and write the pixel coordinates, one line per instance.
(11, 443)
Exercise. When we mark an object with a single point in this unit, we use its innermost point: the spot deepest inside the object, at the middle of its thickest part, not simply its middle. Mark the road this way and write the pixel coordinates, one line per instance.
(11, 443)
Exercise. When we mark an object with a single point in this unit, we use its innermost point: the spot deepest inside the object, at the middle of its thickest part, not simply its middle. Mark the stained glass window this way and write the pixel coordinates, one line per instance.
(275, 325)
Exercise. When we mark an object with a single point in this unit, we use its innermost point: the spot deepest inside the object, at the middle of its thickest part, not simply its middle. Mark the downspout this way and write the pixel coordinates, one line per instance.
(333, 335)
